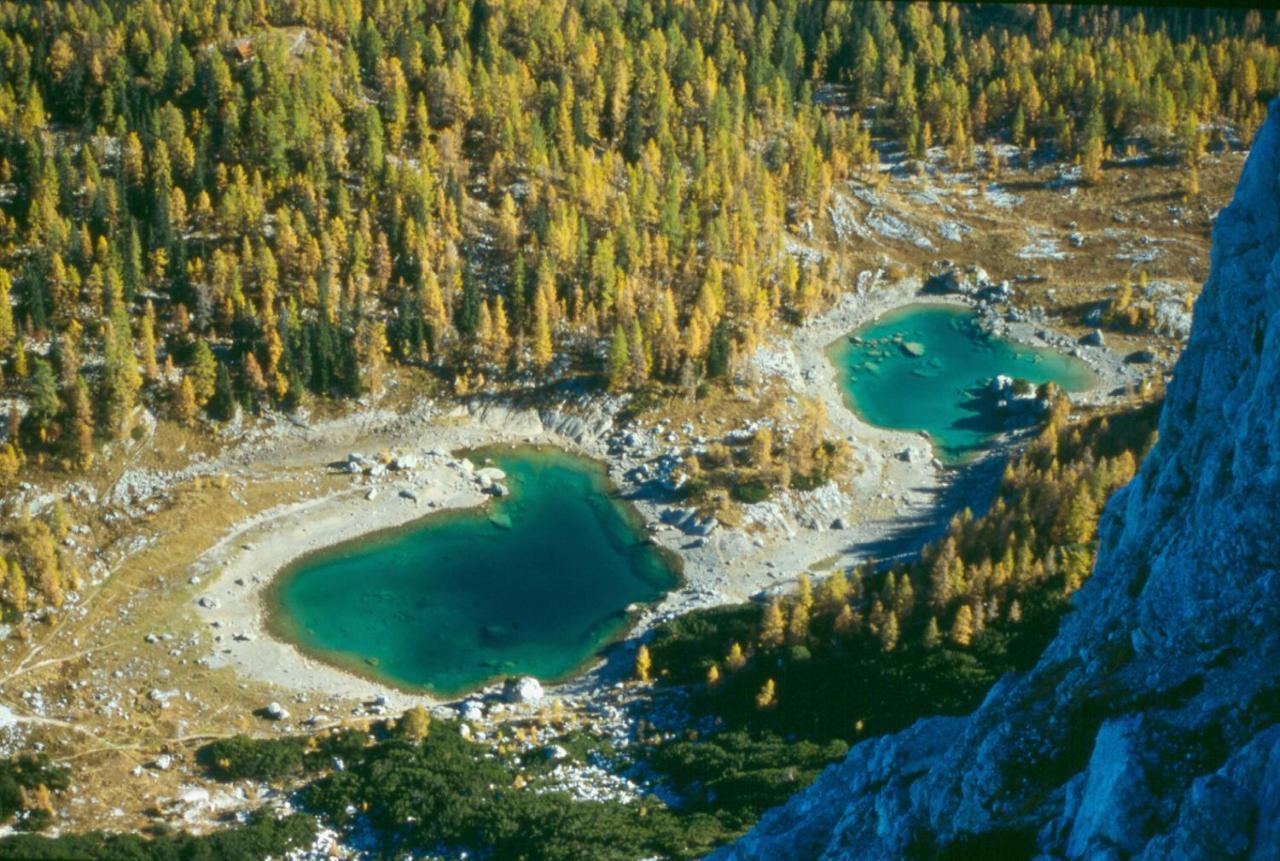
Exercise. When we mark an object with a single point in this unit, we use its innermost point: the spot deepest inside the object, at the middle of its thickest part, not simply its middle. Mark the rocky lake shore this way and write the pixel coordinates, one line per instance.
(899, 496)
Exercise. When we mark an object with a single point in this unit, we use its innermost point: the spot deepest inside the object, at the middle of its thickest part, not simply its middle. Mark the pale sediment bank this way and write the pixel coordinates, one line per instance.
(896, 489)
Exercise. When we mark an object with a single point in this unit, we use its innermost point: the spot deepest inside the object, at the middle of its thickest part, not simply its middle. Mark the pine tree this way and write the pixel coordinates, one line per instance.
(713, 675)
(121, 381)
(508, 226)
(618, 360)
(736, 659)
(222, 404)
(415, 724)
(1081, 521)
(542, 350)
(15, 586)
(1091, 159)
(184, 402)
(846, 621)
(147, 344)
(767, 697)
(773, 627)
(59, 522)
(255, 381)
(932, 636)
(500, 339)
(81, 425)
(798, 624)
(9, 465)
(644, 663)
(638, 355)
(44, 405)
(889, 632)
(41, 552)
(203, 374)
(7, 331)
(962, 628)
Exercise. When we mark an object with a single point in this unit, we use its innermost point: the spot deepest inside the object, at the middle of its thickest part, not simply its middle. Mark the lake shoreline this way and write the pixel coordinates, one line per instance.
(953, 352)
(323, 599)
(783, 537)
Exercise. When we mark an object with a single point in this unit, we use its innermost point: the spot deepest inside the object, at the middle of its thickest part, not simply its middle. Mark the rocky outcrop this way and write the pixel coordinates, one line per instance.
(1150, 728)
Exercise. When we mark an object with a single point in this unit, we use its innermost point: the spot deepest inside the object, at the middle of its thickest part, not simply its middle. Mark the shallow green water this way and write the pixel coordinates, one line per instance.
(923, 367)
(534, 583)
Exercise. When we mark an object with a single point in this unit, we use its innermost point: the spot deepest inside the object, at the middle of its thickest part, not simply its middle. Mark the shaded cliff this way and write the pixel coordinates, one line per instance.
(1151, 725)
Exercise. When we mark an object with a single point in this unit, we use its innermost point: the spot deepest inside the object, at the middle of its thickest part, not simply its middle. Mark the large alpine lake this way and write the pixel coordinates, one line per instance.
(923, 367)
(533, 583)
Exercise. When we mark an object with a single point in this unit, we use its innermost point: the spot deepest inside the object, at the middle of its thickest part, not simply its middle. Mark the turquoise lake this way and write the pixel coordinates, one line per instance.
(923, 367)
(535, 583)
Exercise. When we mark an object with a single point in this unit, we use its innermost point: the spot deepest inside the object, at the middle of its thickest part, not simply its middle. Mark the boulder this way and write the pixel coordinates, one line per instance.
(525, 689)
(275, 711)
(193, 795)
(1094, 339)
(405, 462)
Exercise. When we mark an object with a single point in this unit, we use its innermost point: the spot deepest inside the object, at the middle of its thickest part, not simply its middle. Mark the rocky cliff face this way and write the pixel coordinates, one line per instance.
(1150, 728)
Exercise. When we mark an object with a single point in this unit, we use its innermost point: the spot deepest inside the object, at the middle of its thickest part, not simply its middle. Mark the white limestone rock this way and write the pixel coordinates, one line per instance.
(525, 689)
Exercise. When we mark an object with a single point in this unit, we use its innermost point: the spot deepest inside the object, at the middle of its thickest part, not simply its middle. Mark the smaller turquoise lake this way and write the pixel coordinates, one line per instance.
(923, 367)
(534, 583)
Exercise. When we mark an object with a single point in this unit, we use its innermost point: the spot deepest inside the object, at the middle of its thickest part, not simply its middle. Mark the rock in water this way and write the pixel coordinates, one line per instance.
(914, 349)
(1150, 726)
(490, 474)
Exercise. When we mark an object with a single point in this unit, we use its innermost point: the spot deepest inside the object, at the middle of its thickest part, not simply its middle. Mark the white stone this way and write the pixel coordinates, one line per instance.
(525, 689)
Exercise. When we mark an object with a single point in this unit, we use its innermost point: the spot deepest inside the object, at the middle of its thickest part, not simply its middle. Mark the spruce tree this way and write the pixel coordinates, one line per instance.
(203, 373)
(618, 360)
(962, 628)
(222, 404)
